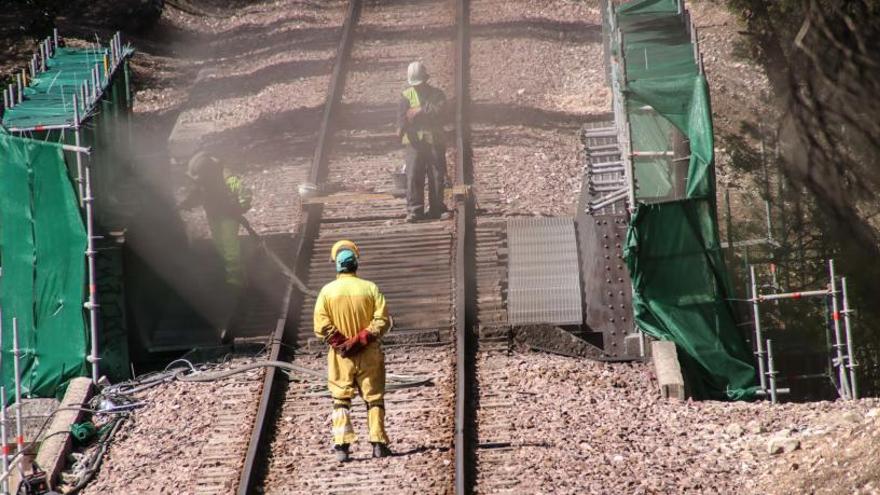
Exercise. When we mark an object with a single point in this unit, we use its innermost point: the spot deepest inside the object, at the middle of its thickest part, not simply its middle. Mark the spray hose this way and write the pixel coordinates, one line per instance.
(395, 382)
(288, 272)
(184, 371)
(190, 375)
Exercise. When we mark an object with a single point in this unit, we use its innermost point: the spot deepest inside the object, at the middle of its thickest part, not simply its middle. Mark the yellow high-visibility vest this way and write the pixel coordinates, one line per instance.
(425, 136)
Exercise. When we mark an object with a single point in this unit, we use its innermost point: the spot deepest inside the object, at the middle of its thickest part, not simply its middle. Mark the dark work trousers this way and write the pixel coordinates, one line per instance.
(423, 160)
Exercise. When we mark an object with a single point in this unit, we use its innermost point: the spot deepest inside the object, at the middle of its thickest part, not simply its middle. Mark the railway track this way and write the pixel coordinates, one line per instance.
(424, 270)
(444, 281)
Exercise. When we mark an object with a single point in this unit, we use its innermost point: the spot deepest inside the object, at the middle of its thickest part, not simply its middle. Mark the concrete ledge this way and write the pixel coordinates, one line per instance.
(53, 451)
(668, 370)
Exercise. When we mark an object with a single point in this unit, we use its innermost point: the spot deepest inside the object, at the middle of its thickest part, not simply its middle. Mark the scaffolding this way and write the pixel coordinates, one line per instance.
(7, 466)
(841, 342)
(664, 185)
(53, 99)
(620, 180)
(74, 82)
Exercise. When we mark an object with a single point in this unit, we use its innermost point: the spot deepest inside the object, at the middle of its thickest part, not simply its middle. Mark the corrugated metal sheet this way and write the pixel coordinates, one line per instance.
(543, 277)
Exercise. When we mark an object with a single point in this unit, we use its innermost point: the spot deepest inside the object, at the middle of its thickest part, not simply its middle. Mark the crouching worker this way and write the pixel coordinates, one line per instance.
(350, 316)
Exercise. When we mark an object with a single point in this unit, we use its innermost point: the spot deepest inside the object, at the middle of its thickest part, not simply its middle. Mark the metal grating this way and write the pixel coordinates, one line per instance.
(543, 279)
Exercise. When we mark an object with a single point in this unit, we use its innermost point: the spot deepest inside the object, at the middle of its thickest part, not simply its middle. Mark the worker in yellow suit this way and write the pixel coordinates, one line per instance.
(225, 199)
(351, 317)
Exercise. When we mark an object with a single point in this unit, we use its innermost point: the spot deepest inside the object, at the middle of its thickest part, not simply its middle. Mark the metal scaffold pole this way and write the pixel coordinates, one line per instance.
(840, 341)
(759, 339)
(851, 363)
(76, 140)
(771, 372)
(840, 360)
(16, 363)
(4, 454)
(84, 185)
(4, 443)
(92, 304)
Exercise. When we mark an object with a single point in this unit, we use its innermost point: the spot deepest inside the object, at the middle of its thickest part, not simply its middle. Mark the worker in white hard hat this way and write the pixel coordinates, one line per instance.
(420, 128)
(351, 317)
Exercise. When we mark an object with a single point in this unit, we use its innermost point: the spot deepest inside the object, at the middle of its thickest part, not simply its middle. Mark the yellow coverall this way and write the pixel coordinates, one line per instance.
(225, 199)
(224, 227)
(348, 305)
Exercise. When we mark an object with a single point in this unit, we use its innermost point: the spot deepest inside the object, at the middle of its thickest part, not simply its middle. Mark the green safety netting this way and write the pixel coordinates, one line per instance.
(42, 241)
(681, 290)
(49, 96)
(41, 223)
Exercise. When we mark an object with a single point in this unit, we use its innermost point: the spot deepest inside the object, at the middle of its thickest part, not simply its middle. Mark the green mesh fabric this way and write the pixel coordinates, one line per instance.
(42, 238)
(49, 96)
(42, 241)
(681, 290)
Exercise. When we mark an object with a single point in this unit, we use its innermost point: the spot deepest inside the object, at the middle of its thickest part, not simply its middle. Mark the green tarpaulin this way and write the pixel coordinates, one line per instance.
(42, 238)
(42, 241)
(49, 96)
(681, 291)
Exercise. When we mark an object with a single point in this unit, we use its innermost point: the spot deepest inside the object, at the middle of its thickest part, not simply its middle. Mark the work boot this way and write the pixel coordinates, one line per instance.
(441, 214)
(381, 450)
(414, 217)
(341, 452)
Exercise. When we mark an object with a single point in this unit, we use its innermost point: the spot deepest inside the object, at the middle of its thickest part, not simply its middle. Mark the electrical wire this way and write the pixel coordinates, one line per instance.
(184, 371)
(191, 367)
(395, 382)
(97, 457)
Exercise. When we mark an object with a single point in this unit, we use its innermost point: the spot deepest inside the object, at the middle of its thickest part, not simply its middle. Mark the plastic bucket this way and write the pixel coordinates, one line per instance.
(399, 180)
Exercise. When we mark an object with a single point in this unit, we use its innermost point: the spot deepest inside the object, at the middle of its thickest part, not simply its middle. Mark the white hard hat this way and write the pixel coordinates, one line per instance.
(416, 74)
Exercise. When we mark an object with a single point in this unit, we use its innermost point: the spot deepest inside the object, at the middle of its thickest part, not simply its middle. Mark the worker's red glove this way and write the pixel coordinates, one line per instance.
(356, 344)
(412, 113)
(336, 340)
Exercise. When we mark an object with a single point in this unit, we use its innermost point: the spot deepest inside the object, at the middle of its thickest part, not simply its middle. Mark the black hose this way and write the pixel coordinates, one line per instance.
(396, 381)
(99, 457)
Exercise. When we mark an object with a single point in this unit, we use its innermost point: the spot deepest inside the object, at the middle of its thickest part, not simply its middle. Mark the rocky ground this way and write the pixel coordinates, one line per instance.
(184, 430)
(537, 69)
(587, 427)
(537, 75)
(839, 455)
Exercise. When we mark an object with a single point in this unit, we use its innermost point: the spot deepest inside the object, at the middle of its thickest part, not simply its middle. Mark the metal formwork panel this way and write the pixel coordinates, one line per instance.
(543, 281)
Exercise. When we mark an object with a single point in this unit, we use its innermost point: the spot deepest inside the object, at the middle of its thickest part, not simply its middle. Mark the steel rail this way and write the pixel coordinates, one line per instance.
(283, 338)
(465, 252)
